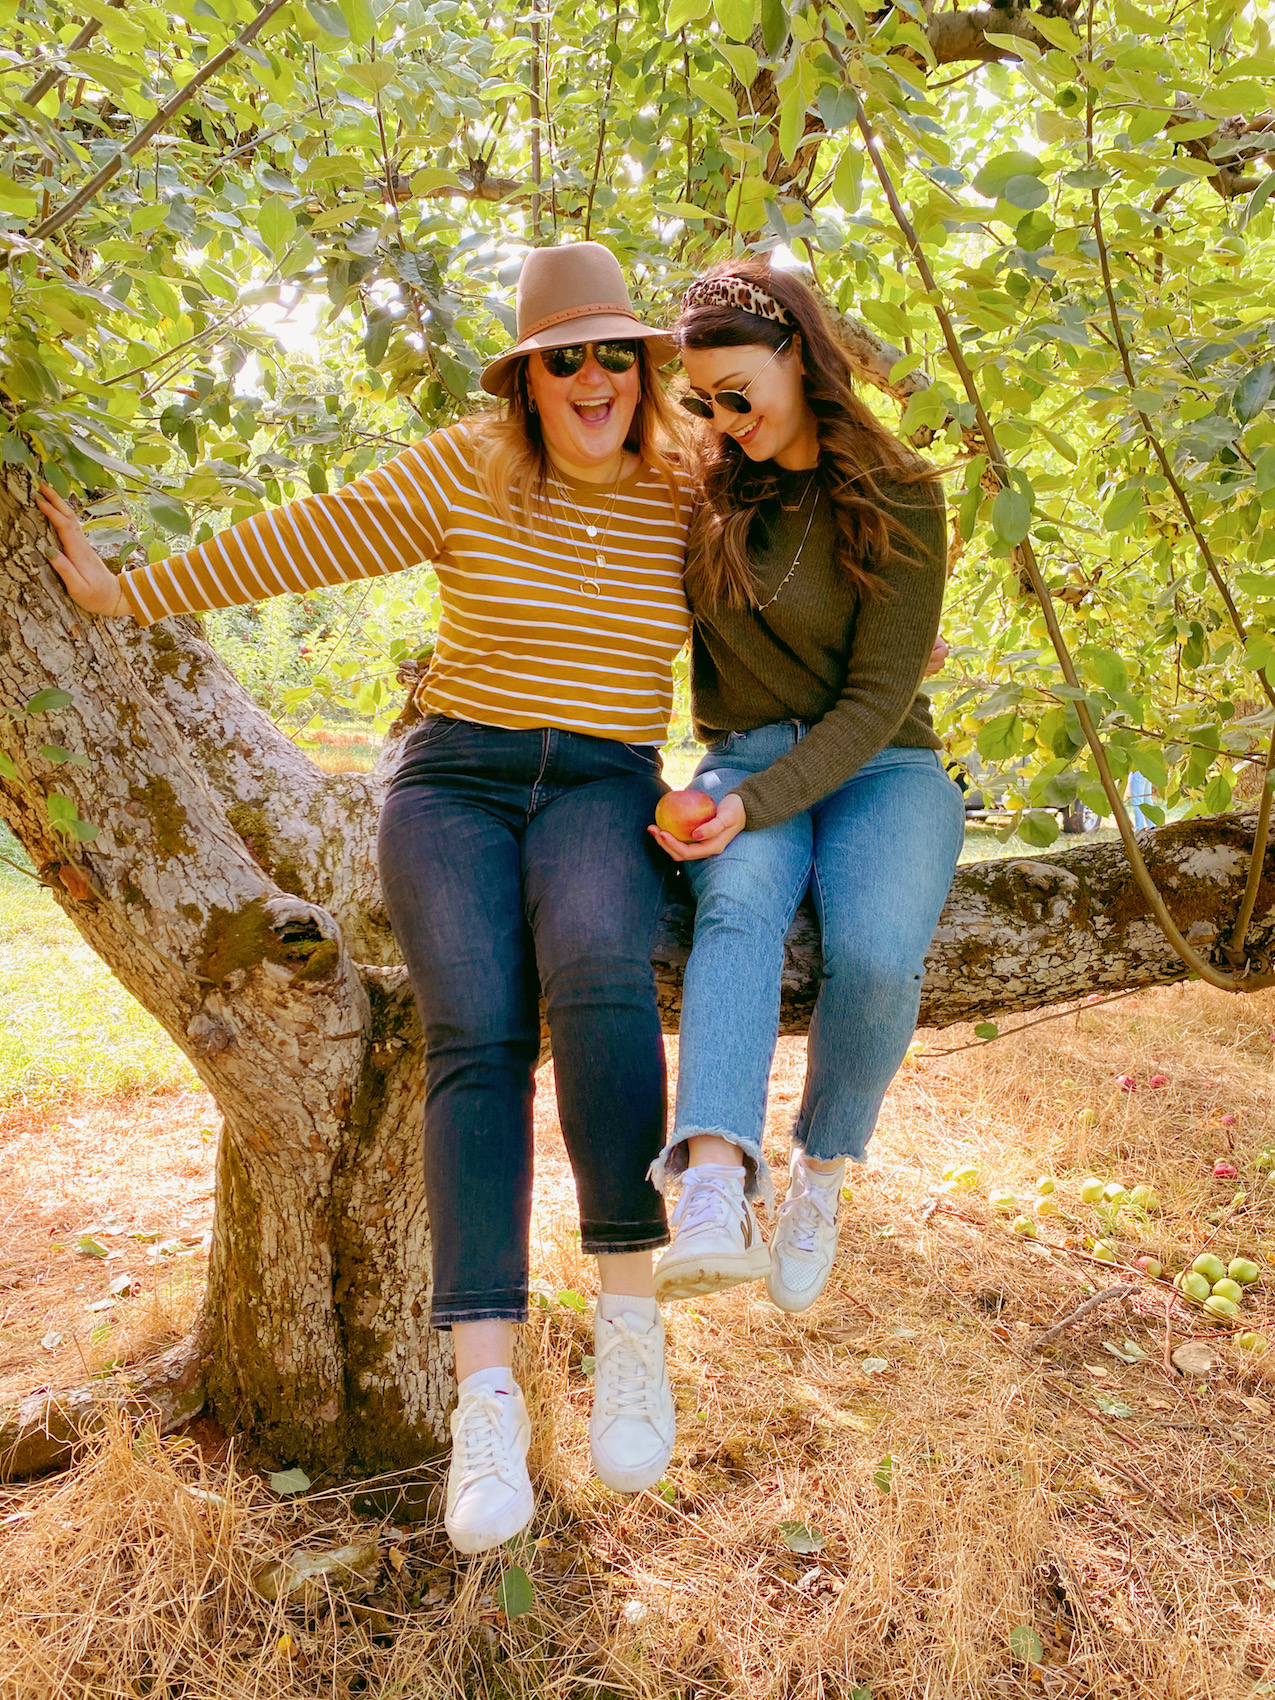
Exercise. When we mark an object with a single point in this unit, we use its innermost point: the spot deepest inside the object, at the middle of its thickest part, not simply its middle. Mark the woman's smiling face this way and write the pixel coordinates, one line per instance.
(779, 425)
(585, 418)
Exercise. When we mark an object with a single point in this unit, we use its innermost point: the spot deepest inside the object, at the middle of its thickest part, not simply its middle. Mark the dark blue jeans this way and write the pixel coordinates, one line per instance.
(511, 862)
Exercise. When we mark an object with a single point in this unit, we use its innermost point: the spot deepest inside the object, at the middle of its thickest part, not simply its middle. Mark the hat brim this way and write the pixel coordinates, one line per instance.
(497, 379)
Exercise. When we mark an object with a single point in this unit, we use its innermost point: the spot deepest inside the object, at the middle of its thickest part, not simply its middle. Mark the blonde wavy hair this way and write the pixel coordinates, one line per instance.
(513, 462)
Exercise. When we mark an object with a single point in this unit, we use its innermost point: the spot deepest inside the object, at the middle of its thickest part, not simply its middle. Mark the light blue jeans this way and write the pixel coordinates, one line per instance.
(880, 854)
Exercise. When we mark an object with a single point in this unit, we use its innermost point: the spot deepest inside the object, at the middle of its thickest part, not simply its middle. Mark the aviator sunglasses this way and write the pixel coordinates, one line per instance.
(611, 356)
(735, 401)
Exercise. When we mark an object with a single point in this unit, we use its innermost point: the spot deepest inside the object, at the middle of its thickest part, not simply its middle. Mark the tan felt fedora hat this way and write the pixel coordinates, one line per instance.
(572, 293)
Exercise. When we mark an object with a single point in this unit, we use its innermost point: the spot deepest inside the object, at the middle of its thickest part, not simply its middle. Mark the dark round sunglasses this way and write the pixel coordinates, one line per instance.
(735, 401)
(611, 356)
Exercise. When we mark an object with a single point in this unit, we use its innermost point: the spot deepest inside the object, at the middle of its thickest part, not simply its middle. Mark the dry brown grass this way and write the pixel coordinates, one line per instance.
(1139, 1547)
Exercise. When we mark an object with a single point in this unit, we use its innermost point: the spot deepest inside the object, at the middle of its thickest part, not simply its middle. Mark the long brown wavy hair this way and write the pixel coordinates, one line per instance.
(855, 449)
(513, 462)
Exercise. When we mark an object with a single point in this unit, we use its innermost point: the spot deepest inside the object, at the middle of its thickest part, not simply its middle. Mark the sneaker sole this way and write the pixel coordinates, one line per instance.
(700, 1275)
(513, 1523)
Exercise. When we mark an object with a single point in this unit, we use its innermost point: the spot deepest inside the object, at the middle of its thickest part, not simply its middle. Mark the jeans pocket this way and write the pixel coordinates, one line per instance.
(432, 730)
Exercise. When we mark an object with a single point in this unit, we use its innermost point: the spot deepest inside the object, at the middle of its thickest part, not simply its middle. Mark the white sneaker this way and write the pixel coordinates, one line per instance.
(804, 1243)
(633, 1423)
(716, 1240)
(489, 1496)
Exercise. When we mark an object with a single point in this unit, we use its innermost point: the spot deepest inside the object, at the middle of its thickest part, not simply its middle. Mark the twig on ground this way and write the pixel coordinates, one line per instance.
(1121, 1290)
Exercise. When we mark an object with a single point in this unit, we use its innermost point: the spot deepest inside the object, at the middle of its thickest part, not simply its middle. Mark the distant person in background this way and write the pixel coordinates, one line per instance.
(1139, 792)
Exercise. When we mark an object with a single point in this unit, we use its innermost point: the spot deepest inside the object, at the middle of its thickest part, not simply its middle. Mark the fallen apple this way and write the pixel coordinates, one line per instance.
(1087, 1117)
(1149, 1266)
(1126, 1083)
(1091, 1190)
(1228, 1289)
(1145, 1197)
(1104, 1251)
(1047, 1206)
(1115, 1193)
(1264, 1162)
(962, 1175)
(1252, 1342)
(679, 812)
(1220, 1309)
(1045, 1184)
(1210, 1266)
(1157, 1081)
(1195, 1286)
(1025, 1226)
(1229, 1119)
(1225, 1170)
(1243, 1270)
(1004, 1203)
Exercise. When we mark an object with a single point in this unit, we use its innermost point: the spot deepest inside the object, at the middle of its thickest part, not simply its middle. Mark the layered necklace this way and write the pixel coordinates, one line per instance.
(590, 581)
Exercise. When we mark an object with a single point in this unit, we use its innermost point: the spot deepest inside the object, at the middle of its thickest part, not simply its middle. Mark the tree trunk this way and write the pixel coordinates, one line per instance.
(232, 889)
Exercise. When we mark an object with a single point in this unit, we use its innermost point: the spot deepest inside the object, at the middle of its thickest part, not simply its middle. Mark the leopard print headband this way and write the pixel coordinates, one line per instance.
(734, 292)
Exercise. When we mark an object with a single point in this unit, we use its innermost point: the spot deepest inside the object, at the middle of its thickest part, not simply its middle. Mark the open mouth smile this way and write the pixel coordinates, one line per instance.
(744, 437)
(594, 412)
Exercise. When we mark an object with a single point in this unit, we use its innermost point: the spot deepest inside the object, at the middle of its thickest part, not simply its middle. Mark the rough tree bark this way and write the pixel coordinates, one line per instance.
(232, 889)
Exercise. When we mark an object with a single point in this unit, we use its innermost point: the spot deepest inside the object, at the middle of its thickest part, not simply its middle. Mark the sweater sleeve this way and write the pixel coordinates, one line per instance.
(389, 519)
(893, 637)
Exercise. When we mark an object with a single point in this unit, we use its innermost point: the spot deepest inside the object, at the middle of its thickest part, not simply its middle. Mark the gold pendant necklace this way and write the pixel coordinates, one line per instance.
(591, 583)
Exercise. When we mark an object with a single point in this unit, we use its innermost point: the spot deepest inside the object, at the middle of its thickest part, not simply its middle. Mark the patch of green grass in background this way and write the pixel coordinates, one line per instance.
(68, 1025)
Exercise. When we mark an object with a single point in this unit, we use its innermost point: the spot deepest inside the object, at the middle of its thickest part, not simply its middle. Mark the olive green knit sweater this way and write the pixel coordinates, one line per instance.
(846, 664)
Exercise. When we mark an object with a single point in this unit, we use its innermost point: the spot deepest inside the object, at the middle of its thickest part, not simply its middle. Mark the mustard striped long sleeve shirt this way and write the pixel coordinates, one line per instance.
(523, 639)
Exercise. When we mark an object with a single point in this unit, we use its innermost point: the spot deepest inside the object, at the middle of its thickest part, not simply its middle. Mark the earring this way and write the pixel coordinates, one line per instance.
(531, 405)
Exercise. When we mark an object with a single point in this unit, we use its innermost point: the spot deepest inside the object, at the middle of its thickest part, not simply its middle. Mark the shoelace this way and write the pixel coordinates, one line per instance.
(811, 1204)
(631, 1383)
(708, 1201)
(479, 1448)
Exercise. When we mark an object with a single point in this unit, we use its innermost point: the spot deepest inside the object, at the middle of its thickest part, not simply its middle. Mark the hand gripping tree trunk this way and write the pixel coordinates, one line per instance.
(232, 889)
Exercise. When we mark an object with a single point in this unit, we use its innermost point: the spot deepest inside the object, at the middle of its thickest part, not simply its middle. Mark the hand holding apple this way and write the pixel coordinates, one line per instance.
(706, 834)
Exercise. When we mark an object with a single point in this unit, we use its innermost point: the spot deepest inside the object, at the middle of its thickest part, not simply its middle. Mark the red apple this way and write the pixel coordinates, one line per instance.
(1157, 1081)
(1224, 1171)
(1126, 1083)
(1229, 1119)
(679, 812)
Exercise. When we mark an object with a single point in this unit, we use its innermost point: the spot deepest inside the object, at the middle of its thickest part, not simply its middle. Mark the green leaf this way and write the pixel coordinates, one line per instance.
(683, 12)
(58, 756)
(1025, 1644)
(329, 17)
(987, 1030)
(1026, 192)
(1258, 199)
(285, 1482)
(713, 94)
(1109, 670)
(8, 768)
(1011, 515)
(883, 1475)
(169, 514)
(88, 1246)
(799, 1538)
(1111, 1407)
(1038, 827)
(1217, 794)
(1000, 739)
(735, 17)
(515, 1595)
(1254, 391)
(1123, 508)
(994, 176)
(52, 697)
(276, 223)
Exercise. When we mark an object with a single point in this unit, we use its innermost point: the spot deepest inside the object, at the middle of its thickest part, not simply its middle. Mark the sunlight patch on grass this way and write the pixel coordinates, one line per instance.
(69, 1026)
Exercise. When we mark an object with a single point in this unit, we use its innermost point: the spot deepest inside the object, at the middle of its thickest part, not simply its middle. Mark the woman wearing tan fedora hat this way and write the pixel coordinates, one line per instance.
(512, 844)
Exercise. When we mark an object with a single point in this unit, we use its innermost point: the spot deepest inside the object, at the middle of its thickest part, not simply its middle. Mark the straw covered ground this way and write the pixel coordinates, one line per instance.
(892, 1496)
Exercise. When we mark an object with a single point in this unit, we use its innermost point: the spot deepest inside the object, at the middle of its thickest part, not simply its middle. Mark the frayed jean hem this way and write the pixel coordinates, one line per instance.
(673, 1160)
(448, 1316)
